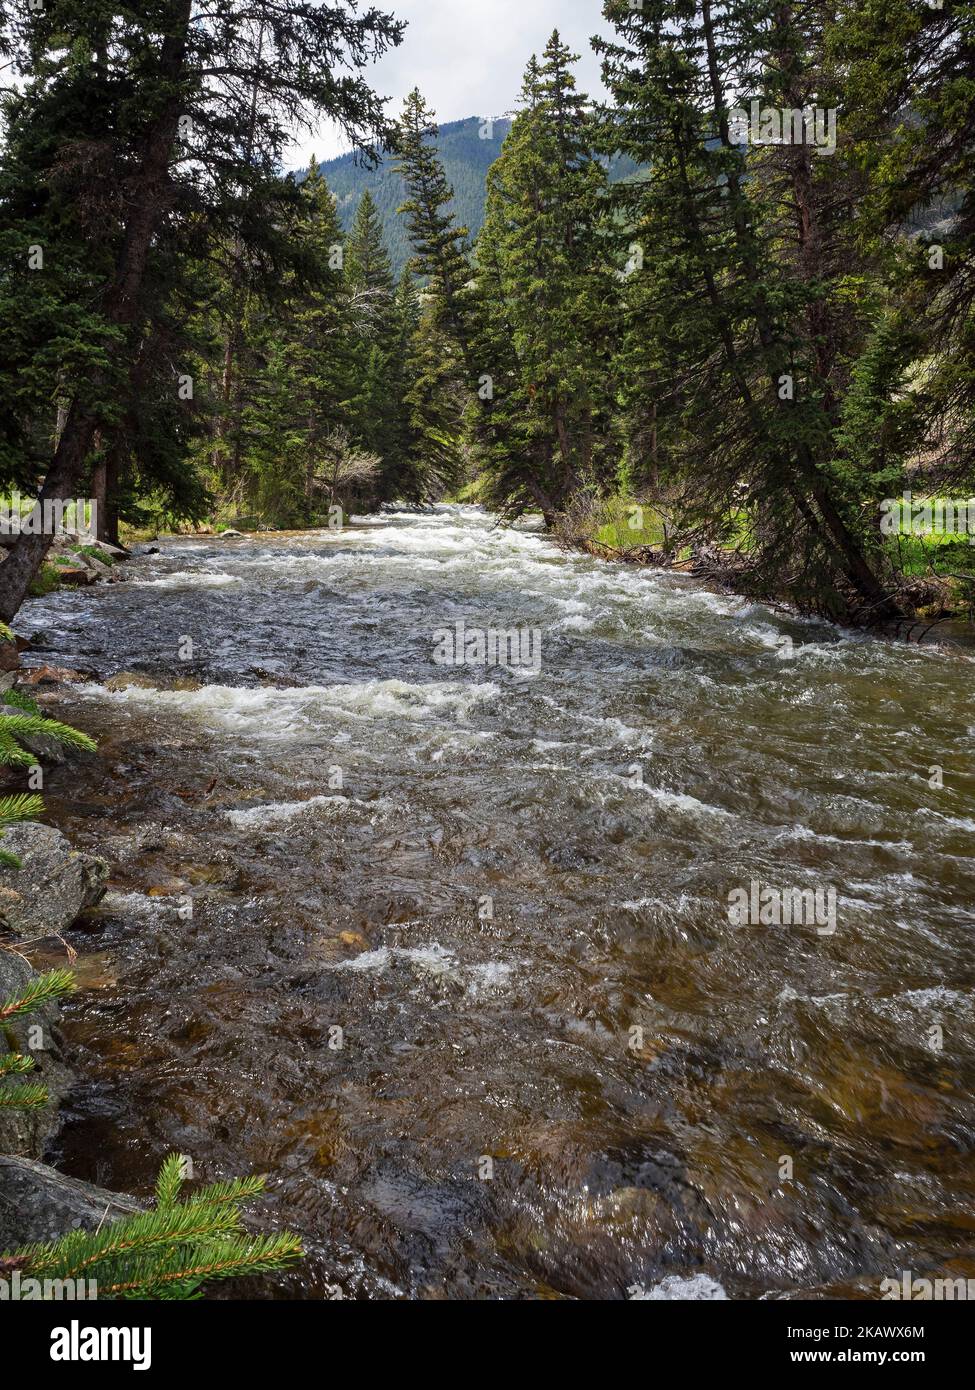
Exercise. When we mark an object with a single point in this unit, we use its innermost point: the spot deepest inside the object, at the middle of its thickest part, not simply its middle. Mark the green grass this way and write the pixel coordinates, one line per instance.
(918, 555)
(44, 582)
(629, 524)
(93, 553)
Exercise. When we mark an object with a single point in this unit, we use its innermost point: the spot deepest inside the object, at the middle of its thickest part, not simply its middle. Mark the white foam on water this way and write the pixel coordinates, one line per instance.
(680, 801)
(282, 812)
(270, 712)
(435, 962)
(939, 996)
(189, 579)
(956, 822)
(137, 904)
(369, 960)
(697, 1288)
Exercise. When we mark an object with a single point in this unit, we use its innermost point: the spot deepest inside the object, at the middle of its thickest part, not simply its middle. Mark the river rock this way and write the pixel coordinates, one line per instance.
(9, 656)
(231, 535)
(38, 1204)
(53, 885)
(138, 679)
(25, 1132)
(78, 575)
(55, 675)
(98, 567)
(44, 748)
(117, 552)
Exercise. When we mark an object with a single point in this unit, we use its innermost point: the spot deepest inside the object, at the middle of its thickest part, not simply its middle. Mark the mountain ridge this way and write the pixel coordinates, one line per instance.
(467, 147)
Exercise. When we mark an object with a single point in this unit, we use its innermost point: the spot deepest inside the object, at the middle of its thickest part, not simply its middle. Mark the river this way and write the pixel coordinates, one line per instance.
(446, 950)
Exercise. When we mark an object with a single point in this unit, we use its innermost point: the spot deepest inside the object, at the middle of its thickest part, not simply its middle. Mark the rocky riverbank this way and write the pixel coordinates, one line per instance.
(40, 900)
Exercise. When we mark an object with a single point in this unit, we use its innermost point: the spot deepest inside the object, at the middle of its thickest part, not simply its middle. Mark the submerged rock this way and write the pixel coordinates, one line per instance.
(124, 679)
(54, 884)
(56, 675)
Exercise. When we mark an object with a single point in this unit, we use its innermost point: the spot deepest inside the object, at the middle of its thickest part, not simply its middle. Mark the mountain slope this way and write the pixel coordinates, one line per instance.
(468, 148)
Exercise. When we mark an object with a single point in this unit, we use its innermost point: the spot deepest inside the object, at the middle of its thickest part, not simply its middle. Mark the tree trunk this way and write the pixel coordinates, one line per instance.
(121, 307)
(836, 535)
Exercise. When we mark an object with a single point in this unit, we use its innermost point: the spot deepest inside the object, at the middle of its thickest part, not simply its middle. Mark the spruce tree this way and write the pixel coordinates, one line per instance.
(192, 116)
(750, 250)
(375, 407)
(439, 244)
(546, 285)
(302, 397)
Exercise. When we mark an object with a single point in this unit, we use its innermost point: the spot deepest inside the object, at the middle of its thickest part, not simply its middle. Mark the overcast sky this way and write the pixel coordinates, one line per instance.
(468, 56)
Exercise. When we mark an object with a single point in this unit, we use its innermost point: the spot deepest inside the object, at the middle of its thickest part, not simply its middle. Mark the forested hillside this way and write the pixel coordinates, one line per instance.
(733, 304)
(467, 149)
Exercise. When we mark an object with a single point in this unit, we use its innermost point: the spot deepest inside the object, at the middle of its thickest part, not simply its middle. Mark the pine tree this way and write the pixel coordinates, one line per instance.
(172, 1251)
(303, 396)
(189, 119)
(435, 400)
(750, 254)
(439, 244)
(376, 406)
(911, 67)
(40, 990)
(547, 286)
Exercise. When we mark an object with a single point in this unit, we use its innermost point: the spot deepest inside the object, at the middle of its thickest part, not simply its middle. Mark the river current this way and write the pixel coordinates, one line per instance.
(446, 951)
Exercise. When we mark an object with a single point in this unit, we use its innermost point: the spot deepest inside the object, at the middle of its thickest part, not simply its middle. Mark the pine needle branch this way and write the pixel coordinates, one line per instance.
(38, 992)
(30, 1095)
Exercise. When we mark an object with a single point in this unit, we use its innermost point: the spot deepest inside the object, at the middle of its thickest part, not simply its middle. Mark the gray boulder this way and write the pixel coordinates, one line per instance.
(44, 748)
(25, 1132)
(39, 1204)
(53, 885)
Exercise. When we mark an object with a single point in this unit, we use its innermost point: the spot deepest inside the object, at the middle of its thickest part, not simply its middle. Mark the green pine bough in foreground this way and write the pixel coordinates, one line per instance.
(168, 1252)
(181, 1243)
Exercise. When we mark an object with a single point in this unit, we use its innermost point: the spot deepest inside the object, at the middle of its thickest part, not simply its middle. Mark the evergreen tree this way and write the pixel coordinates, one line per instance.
(435, 400)
(376, 406)
(752, 255)
(163, 119)
(439, 244)
(302, 397)
(547, 286)
(401, 478)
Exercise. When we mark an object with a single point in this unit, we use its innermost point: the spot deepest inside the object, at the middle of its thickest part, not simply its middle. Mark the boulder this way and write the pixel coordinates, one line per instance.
(139, 679)
(25, 1132)
(9, 656)
(53, 885)
(231, 535)
(55, 675)
(44, 748)
(38, 1204)
(78, 575)
(96, 567)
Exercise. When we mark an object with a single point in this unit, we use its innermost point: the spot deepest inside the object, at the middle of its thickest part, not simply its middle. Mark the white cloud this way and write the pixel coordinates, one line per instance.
(468, 57)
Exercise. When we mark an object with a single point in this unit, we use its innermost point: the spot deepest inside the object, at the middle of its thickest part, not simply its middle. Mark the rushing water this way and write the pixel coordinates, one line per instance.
(642, 1073)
